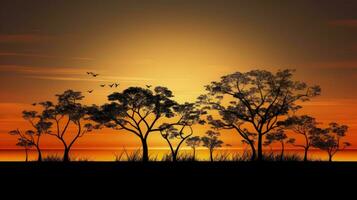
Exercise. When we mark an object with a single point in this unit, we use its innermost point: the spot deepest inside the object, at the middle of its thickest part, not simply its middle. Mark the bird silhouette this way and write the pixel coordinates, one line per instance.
(34, 104)
(116, 84)
(90, 91)
(89, 73)
(102, 85)
(111, 85)
(95, 75)
(148, 86)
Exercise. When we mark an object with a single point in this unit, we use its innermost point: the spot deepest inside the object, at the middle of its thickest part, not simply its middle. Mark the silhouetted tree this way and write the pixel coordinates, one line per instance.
(33, 137)
(137, 110)
(24, 143)
(302, 125)
(277, 136)
(329, 139)
(193, 142)
(211, 141)
(257, 98)
(188, 115)
(67, 109)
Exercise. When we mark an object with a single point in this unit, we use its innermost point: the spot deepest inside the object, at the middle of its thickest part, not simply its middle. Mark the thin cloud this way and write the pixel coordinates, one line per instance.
(343, 64)
(42, 70)
(13, 54)
(344, 23)
(23, 38)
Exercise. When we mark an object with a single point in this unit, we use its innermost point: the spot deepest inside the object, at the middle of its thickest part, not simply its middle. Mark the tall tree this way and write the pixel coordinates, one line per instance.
(187, 115)
(193, 142)
(277, 136)
(302, 125)
(211, 141)
(33, 137)
(258, 99)
(137, 110)
(67, 110)
(329, 139)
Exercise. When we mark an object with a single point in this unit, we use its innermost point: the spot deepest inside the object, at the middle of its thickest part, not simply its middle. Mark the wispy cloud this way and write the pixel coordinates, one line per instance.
(344, 23)
(14, 54)
(342, 64)
(23, 38)
(66, 74)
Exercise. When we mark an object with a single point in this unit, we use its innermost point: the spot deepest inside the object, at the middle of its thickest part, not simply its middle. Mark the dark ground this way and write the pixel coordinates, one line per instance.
(203, 177)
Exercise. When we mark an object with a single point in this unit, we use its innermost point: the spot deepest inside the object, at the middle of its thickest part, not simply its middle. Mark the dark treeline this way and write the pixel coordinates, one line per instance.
(260, 106)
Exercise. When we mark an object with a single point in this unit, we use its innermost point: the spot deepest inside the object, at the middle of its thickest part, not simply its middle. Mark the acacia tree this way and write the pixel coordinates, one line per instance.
(137, 110)
(188, 115)
(193, 142)
(329, 139)
(67, 110)
(211, 141)
(33, 137)
(22, 142)
(277, 136)
(302, 125)
(258, 99)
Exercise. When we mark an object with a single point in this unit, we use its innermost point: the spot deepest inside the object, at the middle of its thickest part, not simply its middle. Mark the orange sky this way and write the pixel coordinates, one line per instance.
(46, 48)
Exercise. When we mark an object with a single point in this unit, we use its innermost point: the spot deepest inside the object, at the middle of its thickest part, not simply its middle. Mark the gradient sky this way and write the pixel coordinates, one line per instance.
(47, 46)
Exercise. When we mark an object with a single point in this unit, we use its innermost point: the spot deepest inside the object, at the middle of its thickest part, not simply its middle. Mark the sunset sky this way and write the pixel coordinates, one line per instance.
(46, 47)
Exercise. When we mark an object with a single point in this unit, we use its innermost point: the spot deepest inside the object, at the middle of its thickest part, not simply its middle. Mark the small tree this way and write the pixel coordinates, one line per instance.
(33, 137)
(302, 125)
(257, 98)
(212, 142)
(67, 109)
(329, 139)
(188, 116)
(22, 142)
(193, 142)
(277, 136)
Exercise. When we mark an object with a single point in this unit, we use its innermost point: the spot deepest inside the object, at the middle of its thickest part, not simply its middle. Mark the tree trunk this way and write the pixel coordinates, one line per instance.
(305, 154)
(26, 154)
(282, 151)
(260, 147)
(66, 155)
(194, 153)
(254, 154)
(145, 157)
(39, 159)
(330, 157)
(211, 154)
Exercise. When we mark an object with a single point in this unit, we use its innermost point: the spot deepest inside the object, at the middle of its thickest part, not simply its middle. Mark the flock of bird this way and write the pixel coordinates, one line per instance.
(113, 85)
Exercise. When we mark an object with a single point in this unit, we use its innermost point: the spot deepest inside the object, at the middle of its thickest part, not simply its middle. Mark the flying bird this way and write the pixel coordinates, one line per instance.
(94, 75)
(34, 104)
(90, 91)
(116, 84)
(111, 85)
(102, 85)
(148, 86)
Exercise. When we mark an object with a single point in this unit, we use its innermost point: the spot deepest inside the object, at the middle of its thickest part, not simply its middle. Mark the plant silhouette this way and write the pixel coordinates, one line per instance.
(212, 142)
(67, 110)
(33, 137)
(257, 98)
(138, 111)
